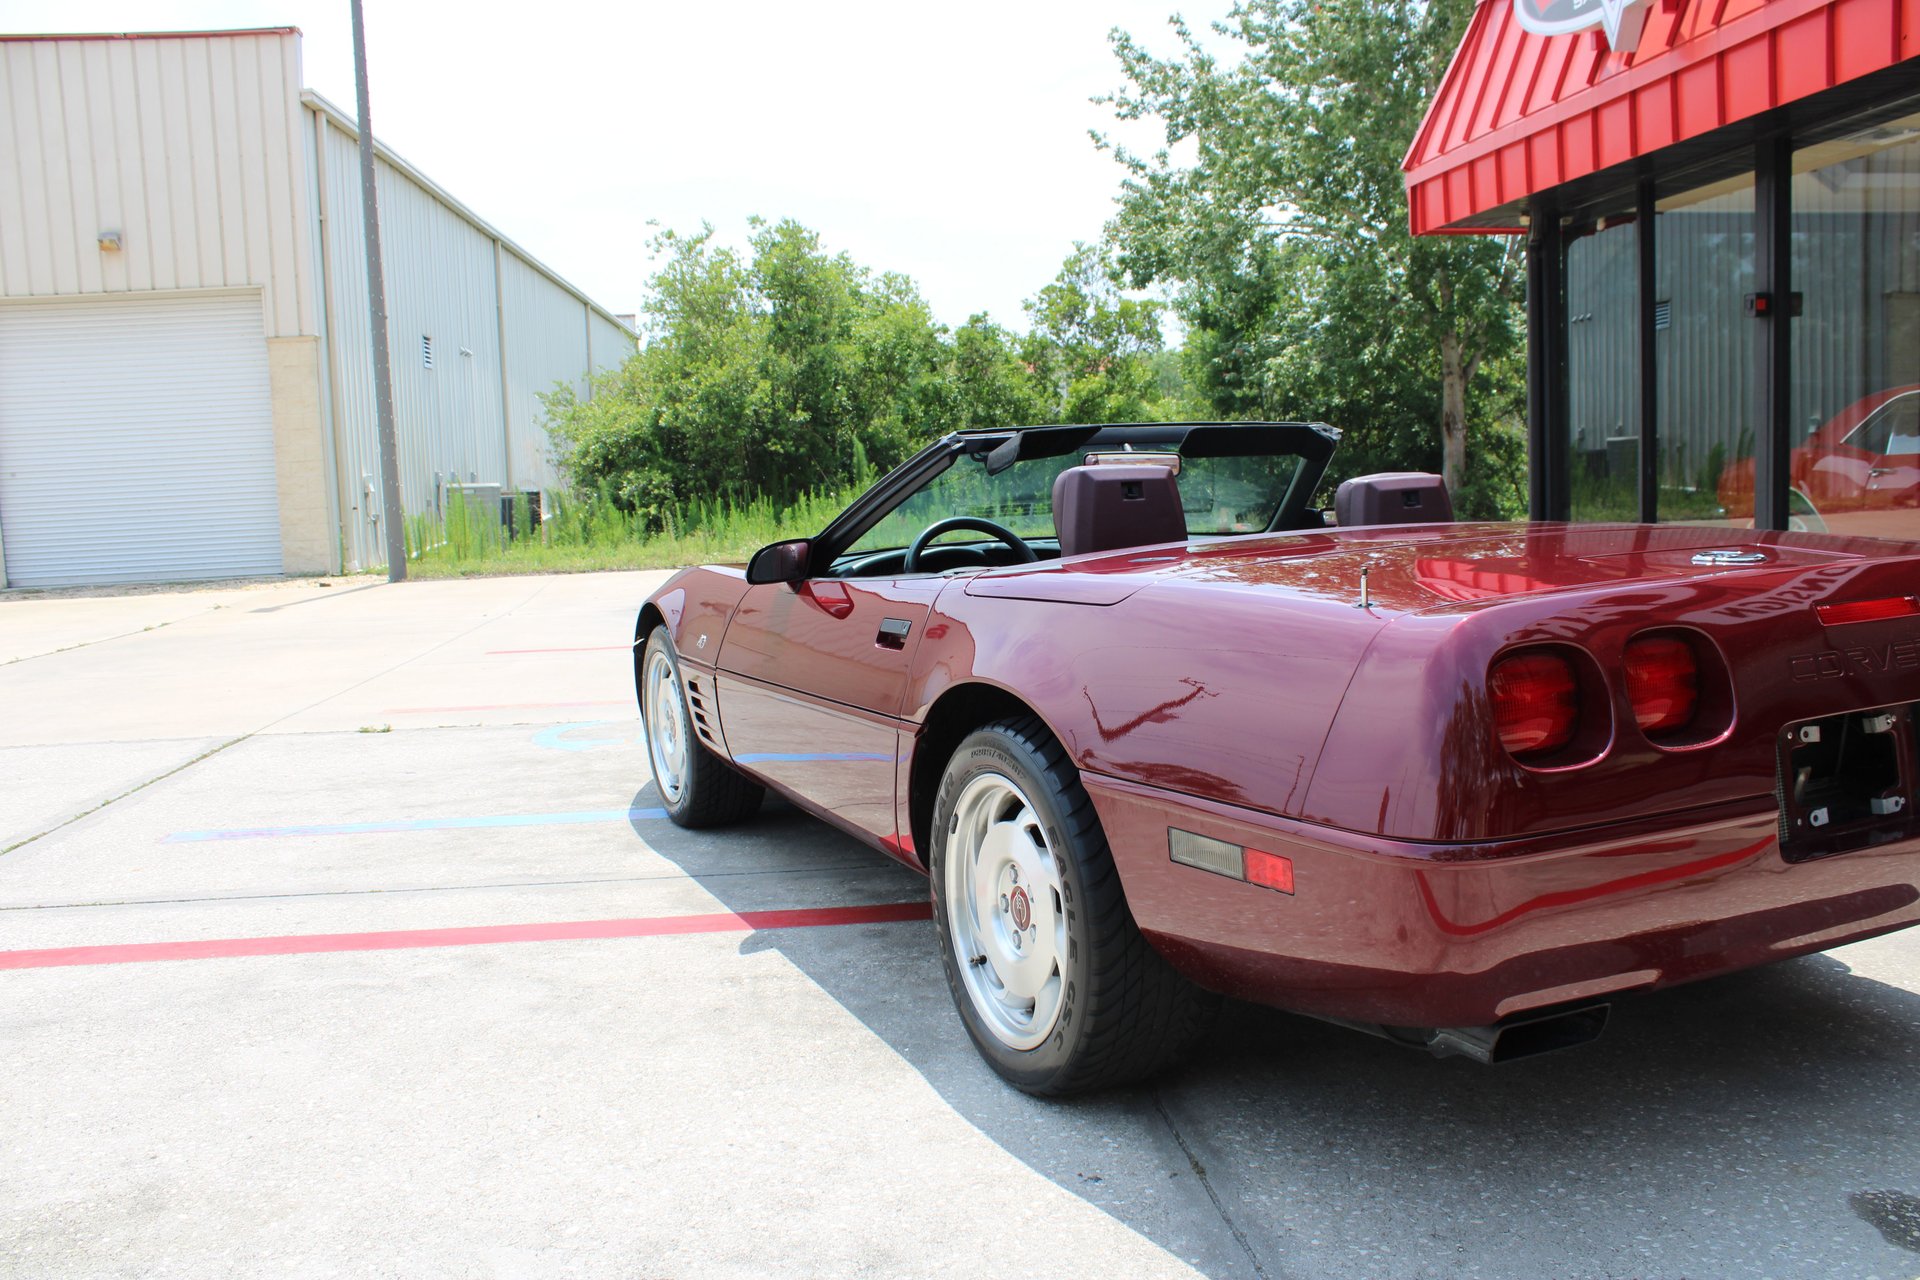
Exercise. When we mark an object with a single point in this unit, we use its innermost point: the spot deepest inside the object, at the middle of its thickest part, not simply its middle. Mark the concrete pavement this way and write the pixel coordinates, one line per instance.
(357, 769)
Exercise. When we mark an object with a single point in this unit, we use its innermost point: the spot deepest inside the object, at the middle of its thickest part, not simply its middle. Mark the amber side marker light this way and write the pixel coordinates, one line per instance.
(1663, 683)
(1223, 858)
(1834, 615)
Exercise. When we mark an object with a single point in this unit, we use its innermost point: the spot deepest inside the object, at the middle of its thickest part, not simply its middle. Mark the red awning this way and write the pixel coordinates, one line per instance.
(1519, 112)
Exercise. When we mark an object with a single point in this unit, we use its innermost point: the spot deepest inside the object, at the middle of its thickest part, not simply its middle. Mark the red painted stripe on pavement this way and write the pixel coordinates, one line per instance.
(588, 648)
(503, 706)
(478, 935)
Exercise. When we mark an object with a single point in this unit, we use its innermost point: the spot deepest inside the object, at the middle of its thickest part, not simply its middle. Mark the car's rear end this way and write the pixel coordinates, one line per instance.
(1572, 763)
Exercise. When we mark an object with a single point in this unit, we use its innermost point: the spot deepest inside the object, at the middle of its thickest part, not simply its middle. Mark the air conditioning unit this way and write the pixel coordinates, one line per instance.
(509, 502)
(479, 497)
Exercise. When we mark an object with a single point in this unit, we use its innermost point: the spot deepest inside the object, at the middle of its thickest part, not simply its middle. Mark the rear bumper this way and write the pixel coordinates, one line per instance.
(1432, 935)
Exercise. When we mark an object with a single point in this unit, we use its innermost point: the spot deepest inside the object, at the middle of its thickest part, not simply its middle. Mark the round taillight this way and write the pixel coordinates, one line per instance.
(1536, 702)
(1663, 683)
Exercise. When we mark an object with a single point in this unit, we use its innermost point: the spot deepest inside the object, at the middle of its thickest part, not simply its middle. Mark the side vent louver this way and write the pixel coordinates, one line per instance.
(697, 707)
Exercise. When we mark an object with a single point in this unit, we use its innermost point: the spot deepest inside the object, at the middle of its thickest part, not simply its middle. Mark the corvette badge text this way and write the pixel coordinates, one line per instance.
(1867, 660)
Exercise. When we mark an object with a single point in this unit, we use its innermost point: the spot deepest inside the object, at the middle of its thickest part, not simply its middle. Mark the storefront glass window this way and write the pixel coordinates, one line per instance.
(1704, 351)
(1603, 415)
(1856, 346)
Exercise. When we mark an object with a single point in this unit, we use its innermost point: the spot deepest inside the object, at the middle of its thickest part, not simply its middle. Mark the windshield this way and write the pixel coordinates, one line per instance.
(1894, 428)
(1218, 495)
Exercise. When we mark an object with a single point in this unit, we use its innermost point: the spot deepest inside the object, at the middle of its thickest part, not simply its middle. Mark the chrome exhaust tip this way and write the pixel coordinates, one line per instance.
(1523, 1036)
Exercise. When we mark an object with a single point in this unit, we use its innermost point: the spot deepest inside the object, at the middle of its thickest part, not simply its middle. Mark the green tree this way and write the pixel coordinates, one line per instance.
(1283, 227)
(780, 371)
(1092, 350)
(988, 382)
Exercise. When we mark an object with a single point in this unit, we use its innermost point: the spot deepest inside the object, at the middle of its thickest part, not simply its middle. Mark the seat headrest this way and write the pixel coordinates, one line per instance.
(1111, 506)
(1392, 497)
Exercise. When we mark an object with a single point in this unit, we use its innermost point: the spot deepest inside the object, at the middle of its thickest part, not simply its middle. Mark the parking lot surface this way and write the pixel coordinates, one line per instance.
(340, 934)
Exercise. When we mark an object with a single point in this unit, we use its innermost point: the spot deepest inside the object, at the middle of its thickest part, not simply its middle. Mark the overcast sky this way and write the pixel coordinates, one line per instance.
(947, 142)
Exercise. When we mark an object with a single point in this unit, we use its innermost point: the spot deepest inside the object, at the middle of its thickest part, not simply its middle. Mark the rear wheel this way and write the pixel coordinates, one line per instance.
(1056, 985)
(697, 788)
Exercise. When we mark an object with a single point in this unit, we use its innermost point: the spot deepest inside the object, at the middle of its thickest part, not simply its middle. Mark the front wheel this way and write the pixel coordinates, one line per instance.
(697, 788)
(1057, 987)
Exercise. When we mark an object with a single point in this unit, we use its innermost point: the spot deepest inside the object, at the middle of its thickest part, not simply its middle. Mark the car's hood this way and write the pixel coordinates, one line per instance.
(1420, 568)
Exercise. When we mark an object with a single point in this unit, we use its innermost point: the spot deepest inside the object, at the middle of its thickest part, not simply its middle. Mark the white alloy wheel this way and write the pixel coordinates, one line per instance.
(1005, 912)
(667, 727)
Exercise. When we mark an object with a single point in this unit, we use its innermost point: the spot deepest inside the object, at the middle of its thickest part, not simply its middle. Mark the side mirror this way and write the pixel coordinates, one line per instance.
(780, 562)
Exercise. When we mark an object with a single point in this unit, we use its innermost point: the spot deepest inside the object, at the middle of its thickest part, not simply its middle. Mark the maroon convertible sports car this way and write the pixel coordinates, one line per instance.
(1156, 730)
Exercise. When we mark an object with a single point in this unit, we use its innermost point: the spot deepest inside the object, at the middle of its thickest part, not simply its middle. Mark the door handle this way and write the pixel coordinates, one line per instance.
(893, 633)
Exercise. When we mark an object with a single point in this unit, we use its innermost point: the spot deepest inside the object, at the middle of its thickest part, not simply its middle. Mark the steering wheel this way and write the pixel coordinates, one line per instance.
(979, 524)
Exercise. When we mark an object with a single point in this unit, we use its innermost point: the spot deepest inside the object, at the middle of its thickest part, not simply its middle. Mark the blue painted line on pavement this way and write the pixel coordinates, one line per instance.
(561, 737)
(577, 818)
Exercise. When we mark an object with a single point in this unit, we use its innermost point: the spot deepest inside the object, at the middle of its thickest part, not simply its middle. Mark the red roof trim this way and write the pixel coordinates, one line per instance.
(1567, 106)
(151, 35)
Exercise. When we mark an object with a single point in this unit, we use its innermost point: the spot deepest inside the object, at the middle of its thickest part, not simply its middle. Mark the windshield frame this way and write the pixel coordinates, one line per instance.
(1312, 442)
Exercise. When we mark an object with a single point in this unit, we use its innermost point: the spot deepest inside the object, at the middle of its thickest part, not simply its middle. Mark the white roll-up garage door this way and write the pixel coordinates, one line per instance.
(136, 441)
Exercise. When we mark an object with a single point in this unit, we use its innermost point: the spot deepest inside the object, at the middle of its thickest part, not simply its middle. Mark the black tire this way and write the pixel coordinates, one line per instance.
(1123, 1013)
(708, 792)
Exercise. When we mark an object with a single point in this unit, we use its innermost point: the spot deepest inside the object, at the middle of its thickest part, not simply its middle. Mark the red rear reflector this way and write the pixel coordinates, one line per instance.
(1270, 869)
(1663, 683)
(1535, 702)
(1833, 615)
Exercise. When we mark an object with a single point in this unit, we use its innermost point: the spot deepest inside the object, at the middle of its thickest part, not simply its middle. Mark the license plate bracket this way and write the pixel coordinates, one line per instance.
(1849, 781)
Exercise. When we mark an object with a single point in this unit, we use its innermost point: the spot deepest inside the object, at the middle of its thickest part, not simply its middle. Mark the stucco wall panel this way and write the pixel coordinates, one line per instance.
(307, 542)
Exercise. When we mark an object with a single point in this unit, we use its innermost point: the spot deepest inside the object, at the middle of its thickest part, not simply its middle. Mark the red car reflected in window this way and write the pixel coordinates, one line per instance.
(1859, 473)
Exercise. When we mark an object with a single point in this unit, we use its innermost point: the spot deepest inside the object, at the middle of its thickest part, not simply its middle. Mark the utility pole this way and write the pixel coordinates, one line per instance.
(392, 514)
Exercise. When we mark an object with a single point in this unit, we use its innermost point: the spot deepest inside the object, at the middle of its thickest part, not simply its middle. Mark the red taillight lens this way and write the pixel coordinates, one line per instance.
(1269, 869)
(1536, 702)
(1663, 683)
(1832, 615)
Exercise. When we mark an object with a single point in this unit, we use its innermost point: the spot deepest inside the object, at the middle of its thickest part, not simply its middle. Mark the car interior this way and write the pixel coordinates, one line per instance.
(1048, 493)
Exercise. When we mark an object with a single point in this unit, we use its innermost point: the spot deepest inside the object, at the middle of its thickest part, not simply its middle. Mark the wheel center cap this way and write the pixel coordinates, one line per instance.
(1020, 907)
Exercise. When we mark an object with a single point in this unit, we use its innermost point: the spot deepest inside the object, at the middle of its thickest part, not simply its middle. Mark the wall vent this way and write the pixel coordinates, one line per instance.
(426, 352)
(1662, 315)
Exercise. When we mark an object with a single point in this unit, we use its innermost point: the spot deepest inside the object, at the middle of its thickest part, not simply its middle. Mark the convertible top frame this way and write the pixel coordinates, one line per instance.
(1312, 442)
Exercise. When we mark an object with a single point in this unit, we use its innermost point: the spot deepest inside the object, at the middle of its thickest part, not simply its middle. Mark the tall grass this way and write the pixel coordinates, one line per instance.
(590, 531)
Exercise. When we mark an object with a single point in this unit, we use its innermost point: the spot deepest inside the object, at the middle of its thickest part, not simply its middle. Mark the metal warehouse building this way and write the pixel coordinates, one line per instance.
(186, 378)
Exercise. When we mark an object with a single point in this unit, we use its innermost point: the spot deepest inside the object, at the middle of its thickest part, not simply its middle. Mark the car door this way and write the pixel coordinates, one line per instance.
(811, 677)
(1895, 478)
(1873, 466)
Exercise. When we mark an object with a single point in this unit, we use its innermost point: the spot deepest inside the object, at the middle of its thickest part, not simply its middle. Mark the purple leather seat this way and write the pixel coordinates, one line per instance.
(1392, 497)
(1113, 506)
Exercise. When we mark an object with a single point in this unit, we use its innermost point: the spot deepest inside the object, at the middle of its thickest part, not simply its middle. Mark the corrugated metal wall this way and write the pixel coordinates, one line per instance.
(465, 409)
(610, 344)
(1703, 272)
(1704, 264)
(186, 146)
(1601, 336)
(1856, 257)
(546, 344)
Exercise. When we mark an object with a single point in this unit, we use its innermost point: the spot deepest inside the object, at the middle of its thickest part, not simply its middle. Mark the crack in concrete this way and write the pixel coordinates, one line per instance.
(88, 644)
(86, 813)
(1206, 1184)
(432, 648)
(331, 595)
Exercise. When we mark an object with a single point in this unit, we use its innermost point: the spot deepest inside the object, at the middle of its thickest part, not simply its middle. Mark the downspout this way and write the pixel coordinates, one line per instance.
(506, 401)
(348, 543)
